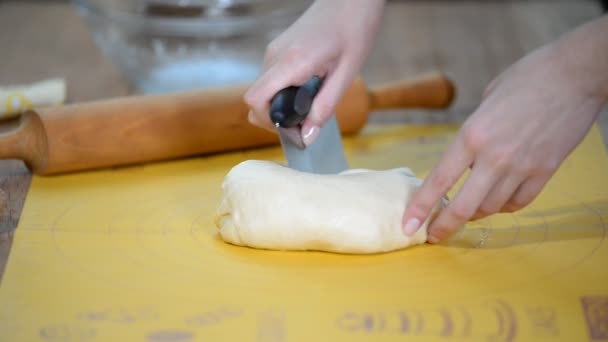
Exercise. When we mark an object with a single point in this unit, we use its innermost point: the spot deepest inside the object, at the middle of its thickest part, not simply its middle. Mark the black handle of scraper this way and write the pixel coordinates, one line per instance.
(290, 106)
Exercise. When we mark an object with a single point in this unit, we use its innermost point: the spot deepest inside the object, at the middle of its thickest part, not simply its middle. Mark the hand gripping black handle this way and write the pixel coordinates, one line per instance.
(290, 106)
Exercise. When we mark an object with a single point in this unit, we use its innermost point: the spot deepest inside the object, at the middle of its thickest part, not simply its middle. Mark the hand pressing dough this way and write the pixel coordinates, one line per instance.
(267, 205)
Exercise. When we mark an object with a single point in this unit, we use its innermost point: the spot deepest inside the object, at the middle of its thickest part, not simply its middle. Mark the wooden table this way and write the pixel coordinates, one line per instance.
(471, 40)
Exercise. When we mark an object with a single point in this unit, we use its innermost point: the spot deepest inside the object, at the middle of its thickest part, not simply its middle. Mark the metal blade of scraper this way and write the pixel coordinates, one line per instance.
(288, 110)
(324, 156)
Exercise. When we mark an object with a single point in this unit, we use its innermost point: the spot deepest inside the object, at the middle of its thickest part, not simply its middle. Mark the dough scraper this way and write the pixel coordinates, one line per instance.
(288, 110)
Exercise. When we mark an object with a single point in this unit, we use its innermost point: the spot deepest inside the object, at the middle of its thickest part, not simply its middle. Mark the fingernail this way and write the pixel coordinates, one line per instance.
(310, 135)
(432, 239)
(411, 226)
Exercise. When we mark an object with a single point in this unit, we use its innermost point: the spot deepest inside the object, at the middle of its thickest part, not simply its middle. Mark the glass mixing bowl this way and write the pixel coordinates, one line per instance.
(170, 45)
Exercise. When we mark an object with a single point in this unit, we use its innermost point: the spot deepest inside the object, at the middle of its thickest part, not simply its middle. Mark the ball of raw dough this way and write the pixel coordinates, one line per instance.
(267, 205)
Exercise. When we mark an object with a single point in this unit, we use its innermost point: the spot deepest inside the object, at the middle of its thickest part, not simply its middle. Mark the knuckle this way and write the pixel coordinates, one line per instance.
(301, 67)
(503, 159)
(249, 98)
(460, 213)
(509, 208)
(519, 202)
(479, 215)
(418, 209)
(474, 138)
(322, 111)
(441, 182)
(252, 99)
(487, 209)
(294, 56)
(440, 232)
(522, 167)
(548, 166)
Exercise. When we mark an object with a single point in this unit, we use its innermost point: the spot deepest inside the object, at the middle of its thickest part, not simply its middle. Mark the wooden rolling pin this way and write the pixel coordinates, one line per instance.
(139, 129)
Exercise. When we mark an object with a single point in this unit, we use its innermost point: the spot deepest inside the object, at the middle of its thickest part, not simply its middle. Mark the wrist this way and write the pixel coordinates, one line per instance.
(583, 54)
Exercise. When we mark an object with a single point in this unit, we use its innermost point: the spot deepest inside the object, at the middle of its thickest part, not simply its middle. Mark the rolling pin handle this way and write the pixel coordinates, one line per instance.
(23, 138)
(430, 91)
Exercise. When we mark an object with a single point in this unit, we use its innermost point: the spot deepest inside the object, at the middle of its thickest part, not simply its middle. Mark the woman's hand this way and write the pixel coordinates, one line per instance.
(332, 40)
(531, 118)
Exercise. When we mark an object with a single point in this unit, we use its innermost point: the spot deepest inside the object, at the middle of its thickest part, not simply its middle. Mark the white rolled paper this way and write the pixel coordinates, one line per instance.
(14, 100)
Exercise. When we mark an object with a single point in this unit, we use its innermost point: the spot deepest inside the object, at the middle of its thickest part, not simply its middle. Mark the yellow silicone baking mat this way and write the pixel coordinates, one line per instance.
(132, 254)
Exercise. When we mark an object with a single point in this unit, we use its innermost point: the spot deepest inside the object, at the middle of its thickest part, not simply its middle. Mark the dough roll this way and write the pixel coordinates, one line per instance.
(267, 205)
